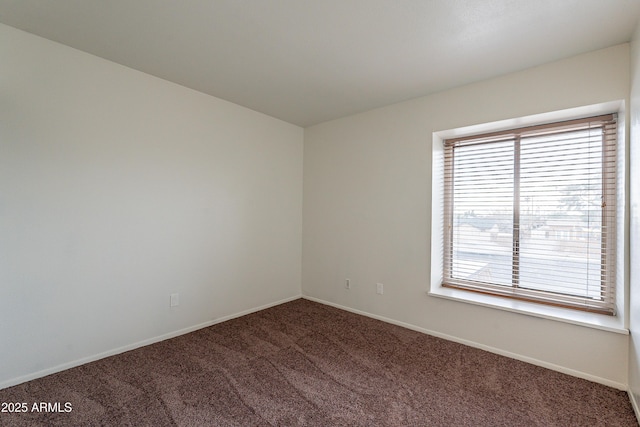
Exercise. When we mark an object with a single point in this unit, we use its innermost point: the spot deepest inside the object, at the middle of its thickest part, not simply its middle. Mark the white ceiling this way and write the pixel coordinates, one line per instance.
(308, 61)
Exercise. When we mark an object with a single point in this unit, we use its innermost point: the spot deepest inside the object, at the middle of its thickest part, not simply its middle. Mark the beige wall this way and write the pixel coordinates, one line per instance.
(118, 189)
(634, 350)
(367, 212)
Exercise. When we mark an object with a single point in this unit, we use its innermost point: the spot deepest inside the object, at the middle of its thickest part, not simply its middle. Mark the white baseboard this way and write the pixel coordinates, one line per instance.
(523, 358)
(634, 404)
(113, 352)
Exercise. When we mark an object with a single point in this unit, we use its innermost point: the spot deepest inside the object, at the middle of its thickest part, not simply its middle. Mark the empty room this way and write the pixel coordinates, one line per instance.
(320, 213)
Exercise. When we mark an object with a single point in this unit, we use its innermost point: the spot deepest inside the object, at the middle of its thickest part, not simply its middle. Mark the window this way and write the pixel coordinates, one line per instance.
(530, 213)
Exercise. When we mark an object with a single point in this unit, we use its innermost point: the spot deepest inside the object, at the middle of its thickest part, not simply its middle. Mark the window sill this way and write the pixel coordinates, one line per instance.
(591, 320)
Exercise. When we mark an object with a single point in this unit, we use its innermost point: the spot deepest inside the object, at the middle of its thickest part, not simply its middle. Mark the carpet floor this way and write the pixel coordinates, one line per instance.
(307, 364)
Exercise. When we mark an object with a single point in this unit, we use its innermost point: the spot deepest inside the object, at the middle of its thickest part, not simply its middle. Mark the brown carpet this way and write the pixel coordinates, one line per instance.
(306, 364)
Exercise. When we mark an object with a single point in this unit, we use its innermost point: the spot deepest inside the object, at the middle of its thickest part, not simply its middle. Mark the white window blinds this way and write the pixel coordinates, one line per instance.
(530, 213)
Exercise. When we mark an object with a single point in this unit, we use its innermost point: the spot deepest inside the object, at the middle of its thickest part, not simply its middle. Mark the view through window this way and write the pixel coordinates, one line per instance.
(530, 213)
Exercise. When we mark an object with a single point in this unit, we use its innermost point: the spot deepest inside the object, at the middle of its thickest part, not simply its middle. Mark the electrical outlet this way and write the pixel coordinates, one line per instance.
(347, 284)
(175, 300)
(379, 288)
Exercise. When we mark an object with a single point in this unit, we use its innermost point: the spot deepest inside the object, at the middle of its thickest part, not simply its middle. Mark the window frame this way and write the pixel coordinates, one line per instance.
(607, 229)
(461, 127)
